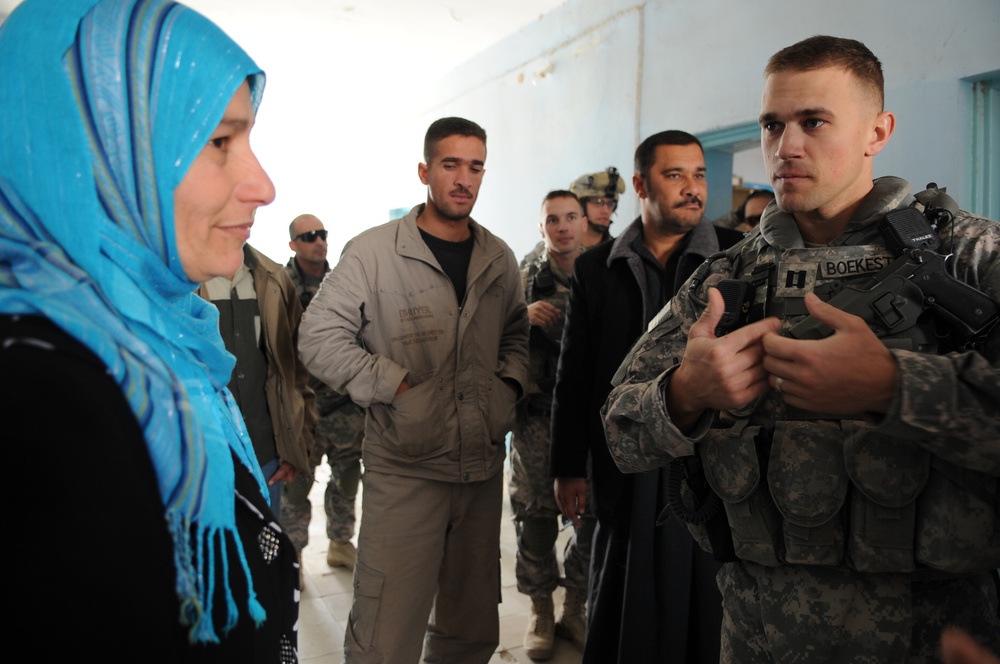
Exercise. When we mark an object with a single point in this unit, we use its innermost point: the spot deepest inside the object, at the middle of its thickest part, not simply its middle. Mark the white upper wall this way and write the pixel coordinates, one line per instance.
(576, 91)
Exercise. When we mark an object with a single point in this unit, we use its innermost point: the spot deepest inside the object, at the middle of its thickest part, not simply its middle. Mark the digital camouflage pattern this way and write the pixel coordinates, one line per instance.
(887, 501)
(815, 614)
(338, 434)
(531, 492)
(536, 252)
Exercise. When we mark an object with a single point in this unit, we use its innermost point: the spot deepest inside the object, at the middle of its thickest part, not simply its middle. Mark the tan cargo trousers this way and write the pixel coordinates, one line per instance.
(428, 568)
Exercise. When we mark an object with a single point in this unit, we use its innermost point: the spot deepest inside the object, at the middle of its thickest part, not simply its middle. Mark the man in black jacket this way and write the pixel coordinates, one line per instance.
(652, 590)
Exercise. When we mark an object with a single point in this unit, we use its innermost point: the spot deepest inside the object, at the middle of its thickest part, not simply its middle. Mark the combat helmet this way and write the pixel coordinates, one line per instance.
(603, 184)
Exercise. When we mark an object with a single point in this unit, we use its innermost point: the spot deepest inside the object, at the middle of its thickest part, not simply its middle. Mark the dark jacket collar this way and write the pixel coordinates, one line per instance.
(702, 241)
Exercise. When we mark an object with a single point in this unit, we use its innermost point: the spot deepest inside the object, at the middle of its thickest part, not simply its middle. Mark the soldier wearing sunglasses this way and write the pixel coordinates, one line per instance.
(339, 426)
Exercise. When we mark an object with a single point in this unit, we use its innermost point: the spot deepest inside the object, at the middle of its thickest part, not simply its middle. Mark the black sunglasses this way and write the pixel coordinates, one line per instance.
(310, 236)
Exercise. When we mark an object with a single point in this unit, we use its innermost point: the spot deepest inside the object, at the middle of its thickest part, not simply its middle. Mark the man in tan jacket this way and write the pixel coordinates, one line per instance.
(259, 316)
(423, 323)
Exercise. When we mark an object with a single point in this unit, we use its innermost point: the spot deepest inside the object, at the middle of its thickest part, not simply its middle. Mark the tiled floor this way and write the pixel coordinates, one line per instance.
(326, 596)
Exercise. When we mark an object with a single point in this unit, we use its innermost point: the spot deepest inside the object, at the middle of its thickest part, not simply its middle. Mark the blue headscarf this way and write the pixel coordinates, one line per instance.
(104, 104)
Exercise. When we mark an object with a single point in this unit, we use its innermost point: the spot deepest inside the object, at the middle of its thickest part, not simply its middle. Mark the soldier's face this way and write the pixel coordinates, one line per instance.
(673, 194)
(819, 130)
(599, 213)
(562, 225)
(454, 175)
(309, 252)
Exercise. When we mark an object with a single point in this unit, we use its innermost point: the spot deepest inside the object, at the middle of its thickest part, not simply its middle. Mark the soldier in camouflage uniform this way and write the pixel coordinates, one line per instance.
(339, 427)
(858, 476)
(598, 193)
(546, 281)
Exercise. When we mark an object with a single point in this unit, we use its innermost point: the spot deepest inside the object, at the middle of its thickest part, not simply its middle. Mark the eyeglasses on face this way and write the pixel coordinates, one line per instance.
(310, 236)
(603, 202)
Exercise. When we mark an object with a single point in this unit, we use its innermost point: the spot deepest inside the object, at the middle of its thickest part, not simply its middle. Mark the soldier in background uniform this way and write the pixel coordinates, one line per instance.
(546, 281)
(339, 427)
(859, 475)
(598, 193)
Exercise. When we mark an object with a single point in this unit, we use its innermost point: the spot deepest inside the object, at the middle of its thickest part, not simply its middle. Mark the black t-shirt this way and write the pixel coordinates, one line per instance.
(454, 258)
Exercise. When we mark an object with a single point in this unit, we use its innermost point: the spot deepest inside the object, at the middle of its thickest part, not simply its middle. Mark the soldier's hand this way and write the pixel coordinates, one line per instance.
(718, 373)
(543, 314)
(847, 373)
(571, 496)
(957, 647)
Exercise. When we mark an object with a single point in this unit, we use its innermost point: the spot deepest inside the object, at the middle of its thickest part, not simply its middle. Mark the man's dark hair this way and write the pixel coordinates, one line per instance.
(563, 193)
(445, 127)
(822, 51)
(645, 154)
(758, 193)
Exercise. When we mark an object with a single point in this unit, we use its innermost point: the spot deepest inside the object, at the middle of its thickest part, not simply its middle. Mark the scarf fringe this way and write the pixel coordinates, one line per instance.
(195, 591)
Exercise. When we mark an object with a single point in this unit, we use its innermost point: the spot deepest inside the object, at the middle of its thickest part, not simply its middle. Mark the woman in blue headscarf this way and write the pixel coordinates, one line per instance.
(126, 177)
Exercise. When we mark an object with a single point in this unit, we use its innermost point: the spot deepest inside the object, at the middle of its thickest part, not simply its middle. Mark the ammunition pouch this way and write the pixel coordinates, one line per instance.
(736, 470)
(816, 492)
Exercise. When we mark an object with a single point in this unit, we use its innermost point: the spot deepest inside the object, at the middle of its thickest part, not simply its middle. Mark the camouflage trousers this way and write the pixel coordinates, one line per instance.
(537, 517)
(819, 614)
(338, 435)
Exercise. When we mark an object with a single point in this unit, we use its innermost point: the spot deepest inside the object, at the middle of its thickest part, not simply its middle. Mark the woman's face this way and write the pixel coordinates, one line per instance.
(214, 204)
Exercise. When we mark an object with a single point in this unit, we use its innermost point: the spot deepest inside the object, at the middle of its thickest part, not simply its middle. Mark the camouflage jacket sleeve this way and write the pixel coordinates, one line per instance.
(636, 423)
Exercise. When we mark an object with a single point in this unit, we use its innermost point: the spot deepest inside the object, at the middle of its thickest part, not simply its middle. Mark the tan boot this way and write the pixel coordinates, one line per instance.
(540, 637)
(341, 554)
(572, 625)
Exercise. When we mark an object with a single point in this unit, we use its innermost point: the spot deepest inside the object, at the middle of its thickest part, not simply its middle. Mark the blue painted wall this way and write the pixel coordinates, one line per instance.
(576, 91)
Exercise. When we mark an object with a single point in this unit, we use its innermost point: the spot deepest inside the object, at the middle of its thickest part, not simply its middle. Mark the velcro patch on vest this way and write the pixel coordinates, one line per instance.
(795, 278)
(844, 268)
(799, 271)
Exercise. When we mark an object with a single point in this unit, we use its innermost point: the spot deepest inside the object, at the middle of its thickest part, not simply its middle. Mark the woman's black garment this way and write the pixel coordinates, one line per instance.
(94, 572)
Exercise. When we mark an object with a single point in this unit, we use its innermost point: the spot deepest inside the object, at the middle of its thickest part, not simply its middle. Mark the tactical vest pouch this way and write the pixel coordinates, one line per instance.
(888, 474)
(734, 470)
(958, 520)
(809, 486)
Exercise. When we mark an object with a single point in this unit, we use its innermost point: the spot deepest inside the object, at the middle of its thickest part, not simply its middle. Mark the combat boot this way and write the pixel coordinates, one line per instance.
(341, 554)
(572, 625)
(540, 638)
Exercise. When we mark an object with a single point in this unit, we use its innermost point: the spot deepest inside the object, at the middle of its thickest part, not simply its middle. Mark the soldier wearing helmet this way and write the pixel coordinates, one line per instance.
(599, 194)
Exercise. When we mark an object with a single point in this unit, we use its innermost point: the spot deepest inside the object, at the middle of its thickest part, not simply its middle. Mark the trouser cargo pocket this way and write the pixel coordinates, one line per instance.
(364, 612)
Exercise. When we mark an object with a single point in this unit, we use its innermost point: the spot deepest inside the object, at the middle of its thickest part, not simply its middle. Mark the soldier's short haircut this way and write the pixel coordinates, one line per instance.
(822, 51)
(291, 226)
(445, 127)
(645, 154)
(563, 193)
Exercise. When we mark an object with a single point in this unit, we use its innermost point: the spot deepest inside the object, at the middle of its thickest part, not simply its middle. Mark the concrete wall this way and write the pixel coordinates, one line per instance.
(577, 90)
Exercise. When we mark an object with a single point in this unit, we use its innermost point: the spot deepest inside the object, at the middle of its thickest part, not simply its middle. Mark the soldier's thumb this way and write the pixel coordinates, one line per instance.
(711, 316)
